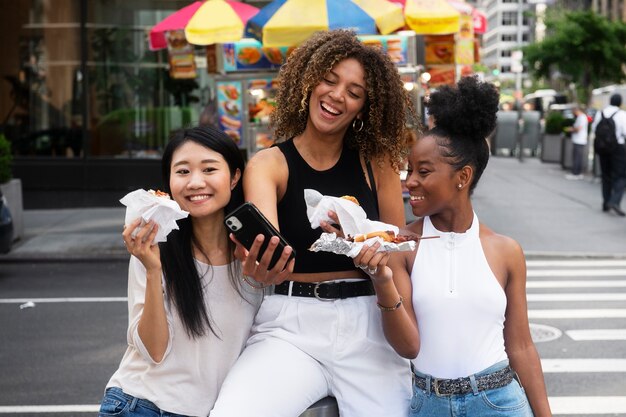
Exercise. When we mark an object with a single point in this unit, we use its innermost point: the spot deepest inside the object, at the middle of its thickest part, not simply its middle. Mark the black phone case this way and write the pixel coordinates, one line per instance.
(246, 222)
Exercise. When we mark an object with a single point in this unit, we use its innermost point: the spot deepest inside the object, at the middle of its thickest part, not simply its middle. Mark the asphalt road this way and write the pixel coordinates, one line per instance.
(59, 353)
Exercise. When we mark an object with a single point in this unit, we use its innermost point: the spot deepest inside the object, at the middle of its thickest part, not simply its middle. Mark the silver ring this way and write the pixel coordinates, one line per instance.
(372, 271)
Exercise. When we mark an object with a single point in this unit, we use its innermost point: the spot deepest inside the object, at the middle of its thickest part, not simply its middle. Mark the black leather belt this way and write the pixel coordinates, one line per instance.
(326, 290)
(462, 386)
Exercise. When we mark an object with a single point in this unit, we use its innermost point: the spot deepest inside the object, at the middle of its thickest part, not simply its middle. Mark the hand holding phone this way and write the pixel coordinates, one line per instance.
(246, 222)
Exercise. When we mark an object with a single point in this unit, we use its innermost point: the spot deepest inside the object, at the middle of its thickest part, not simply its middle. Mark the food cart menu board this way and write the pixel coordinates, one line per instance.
(230, 109)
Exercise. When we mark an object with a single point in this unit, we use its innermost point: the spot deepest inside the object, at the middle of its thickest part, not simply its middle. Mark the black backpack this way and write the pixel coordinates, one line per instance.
(606, 136)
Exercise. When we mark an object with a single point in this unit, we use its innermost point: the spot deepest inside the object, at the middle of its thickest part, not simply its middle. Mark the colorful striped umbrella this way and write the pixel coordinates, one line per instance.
(211, 21)
(289, 22)
(389, 17)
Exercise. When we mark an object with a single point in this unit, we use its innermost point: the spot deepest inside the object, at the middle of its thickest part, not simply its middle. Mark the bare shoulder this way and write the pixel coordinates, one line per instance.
(504, 255)
(495, 241)
(267, 158)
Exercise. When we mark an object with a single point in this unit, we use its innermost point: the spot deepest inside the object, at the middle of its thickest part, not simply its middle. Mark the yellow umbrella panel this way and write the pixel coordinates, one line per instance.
(431, 17)
(214, 22)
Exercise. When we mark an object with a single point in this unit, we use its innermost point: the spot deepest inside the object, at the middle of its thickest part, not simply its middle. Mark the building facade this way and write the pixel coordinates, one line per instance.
(86, 105)
(510, 25)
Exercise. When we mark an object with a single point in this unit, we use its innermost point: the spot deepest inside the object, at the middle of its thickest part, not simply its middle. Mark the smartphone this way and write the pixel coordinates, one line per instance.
(246, 222)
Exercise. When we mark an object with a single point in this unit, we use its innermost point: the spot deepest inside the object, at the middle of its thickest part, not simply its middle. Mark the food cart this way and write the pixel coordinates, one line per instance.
(244, 77)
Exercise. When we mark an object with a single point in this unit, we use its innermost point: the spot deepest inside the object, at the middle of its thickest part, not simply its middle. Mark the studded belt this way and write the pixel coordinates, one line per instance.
(461, 386)
(326, 290)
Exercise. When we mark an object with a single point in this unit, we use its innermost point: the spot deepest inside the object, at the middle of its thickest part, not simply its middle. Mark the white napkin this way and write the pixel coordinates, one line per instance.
(353, 220)
(162, 210)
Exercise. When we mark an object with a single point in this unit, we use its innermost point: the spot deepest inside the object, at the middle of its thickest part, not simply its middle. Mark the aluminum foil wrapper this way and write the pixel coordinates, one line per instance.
(329, 242)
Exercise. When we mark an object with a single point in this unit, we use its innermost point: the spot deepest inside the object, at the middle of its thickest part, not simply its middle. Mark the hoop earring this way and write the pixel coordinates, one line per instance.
(360, 126)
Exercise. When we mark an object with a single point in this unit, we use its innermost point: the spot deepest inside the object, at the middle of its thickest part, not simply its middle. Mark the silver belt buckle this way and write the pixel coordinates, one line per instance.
(436, 387)
(317, 295)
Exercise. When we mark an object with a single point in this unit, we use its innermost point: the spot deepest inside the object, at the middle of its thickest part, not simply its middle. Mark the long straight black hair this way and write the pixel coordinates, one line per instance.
(183, 281)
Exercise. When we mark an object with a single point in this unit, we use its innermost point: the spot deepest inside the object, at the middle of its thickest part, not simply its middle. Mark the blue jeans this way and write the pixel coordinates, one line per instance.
(119, 404)
(507, 401)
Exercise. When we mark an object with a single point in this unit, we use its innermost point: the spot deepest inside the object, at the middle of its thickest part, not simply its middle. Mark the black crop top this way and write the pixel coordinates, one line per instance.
(345, 178)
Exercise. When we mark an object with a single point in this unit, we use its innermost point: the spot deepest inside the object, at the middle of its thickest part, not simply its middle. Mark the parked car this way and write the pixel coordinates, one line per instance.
(6, 226)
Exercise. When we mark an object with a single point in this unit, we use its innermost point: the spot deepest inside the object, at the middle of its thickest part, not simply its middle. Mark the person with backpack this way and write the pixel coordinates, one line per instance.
(609, 127)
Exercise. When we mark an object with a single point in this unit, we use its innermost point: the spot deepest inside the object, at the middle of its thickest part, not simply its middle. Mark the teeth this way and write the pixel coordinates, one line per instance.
(330, 109)
(416, 198)
(198, 197)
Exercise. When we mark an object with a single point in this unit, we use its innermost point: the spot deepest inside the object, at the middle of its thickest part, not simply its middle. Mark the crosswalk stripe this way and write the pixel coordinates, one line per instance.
(558, 405)
(583, 365)
(531, 273)
(64, 300)
(587, 405)
(598, 313)
(597, 334)
(577, 297)
(30, 409)
(577, 284)
(578, 263)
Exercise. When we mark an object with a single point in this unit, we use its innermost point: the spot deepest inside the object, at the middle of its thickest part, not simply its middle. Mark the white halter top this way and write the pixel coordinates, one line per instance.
(459, 305)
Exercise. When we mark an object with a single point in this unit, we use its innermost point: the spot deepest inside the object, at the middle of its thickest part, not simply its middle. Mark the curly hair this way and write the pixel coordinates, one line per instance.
(387, 105)
(464, 116)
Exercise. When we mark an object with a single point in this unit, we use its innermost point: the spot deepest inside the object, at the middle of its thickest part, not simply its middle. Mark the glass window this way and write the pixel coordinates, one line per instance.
(126, 96)
(40, 100)
(134, 104)
(509, 18)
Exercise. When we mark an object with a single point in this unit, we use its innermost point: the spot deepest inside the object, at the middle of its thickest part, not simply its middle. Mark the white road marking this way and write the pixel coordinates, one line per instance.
(576, 273)
(578, 263)
(599, 313)
(588, 405)
(597, 334)
(577, 284)
(64, 300)
(30, 409)
(583, 365)
(577, 297)
(559, 405)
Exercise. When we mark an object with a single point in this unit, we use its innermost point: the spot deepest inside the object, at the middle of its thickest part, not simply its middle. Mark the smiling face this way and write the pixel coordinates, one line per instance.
(338, 99)
(431, 180)
(200, 179)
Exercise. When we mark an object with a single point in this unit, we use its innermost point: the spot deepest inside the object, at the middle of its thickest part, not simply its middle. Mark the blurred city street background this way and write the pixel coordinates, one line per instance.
(91, 90)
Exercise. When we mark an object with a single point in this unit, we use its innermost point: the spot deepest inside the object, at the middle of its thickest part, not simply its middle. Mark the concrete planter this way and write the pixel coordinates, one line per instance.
(551, 148)
(12, 191)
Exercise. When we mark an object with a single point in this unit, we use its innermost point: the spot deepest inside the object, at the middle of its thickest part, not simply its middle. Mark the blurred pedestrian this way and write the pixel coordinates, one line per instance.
(457, 306)
(579, 133)
(340, 121)
(613, 164)
(189, 313)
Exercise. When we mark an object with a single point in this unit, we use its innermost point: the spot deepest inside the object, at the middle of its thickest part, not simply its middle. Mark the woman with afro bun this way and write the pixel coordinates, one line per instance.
(340, 126)
(457, 305)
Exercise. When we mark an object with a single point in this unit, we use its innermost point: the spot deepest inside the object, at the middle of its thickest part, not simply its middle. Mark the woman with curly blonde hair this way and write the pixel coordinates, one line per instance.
(339, 122)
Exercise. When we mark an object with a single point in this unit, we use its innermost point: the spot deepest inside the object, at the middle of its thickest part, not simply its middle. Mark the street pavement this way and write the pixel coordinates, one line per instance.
(530, 201)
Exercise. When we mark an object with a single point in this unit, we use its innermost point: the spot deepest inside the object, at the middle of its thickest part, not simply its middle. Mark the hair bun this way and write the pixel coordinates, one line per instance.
(467, 109)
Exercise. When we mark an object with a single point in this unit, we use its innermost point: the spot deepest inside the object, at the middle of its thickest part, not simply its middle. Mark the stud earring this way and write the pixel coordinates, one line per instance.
(460, 186)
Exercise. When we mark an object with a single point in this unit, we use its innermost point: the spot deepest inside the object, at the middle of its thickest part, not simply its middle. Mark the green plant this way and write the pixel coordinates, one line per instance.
(6, 159)
(554, 123)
